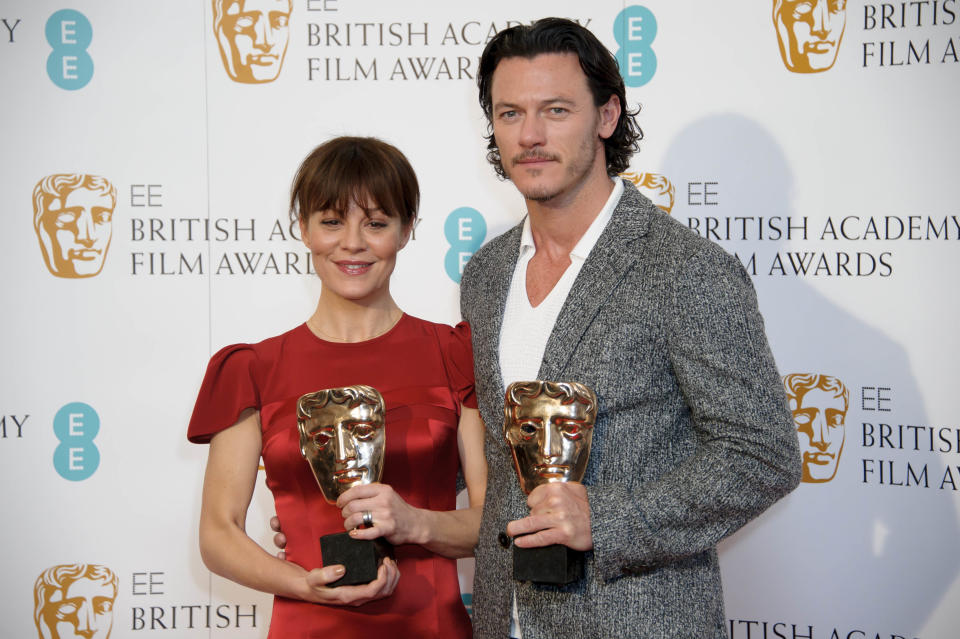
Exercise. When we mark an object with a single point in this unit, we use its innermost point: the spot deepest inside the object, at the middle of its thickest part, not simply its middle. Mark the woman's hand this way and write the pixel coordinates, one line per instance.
(393, 518)
(451, 533)
(382, 586)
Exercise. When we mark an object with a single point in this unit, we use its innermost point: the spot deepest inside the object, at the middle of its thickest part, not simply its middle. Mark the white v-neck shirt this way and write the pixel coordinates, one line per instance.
(526, 329)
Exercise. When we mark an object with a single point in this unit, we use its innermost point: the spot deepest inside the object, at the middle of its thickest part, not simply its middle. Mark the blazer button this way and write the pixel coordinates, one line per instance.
(504, 539)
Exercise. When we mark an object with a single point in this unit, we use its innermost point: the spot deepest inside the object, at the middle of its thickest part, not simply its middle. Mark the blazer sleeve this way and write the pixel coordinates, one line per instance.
(747, 454)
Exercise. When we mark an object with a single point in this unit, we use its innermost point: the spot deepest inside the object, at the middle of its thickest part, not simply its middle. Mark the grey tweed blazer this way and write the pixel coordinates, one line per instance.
(693, 437)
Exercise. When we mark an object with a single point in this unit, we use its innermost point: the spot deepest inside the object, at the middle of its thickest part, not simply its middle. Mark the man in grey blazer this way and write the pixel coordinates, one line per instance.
(693, 437)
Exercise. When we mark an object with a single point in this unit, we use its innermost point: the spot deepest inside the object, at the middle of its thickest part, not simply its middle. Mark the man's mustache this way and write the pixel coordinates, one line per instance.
(532, 155)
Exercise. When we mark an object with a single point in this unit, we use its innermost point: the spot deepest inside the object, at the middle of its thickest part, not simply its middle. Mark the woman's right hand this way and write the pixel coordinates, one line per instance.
(317, 579)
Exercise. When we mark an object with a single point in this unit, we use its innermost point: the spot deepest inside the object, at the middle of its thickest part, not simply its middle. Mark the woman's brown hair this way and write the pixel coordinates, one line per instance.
(347, 170)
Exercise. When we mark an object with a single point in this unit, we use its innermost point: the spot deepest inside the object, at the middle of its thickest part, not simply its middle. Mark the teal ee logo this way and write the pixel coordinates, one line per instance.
(465, 230)
(634, 29)
(69, 65)
(76, 425)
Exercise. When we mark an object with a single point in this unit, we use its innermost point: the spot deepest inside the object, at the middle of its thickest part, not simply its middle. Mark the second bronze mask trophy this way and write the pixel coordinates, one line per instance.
(342, 437)
(549, 426)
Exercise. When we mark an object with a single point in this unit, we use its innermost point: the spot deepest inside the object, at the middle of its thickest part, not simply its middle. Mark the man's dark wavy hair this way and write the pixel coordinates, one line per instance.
(559, 35)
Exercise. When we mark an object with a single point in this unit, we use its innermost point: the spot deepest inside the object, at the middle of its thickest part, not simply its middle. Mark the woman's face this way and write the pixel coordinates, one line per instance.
(354, 255)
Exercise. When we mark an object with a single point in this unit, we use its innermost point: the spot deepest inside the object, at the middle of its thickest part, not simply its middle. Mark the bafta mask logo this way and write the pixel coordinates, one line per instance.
(342, 437)
(819, 404)
(73, 218)
(656, 187)
(252, 36)
(549, 426)
(75, 601)
(809, 32)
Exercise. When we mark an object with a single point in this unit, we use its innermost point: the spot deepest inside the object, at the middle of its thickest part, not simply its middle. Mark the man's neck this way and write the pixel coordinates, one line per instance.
(558, 224)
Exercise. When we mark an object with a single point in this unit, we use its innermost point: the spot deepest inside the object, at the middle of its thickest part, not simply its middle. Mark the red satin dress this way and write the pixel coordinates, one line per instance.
(424, 372)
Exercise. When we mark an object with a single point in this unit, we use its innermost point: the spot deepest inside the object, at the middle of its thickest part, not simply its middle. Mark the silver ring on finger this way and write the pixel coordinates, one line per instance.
(367, 519)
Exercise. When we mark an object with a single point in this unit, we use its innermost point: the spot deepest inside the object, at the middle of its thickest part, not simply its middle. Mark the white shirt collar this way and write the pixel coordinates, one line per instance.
(590, 237)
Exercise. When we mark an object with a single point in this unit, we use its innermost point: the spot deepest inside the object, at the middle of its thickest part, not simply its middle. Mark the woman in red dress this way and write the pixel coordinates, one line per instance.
(356, 201)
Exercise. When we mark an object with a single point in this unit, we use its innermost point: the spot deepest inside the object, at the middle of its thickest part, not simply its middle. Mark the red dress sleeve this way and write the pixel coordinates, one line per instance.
(458, 356)
(228, 389)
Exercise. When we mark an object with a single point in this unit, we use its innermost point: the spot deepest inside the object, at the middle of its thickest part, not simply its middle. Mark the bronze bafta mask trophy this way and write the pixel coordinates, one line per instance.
(342, 438)
(549, 426)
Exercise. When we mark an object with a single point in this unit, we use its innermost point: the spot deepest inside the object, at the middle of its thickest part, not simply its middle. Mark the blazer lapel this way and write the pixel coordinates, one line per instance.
(606, 265)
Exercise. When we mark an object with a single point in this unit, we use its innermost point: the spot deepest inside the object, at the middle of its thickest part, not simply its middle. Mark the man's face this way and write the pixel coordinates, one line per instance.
(79, 227)
(256, 32)
(820, 421)
(550, 440)
(84, 610)
(547, 127)
(810, 32)
(344, 446)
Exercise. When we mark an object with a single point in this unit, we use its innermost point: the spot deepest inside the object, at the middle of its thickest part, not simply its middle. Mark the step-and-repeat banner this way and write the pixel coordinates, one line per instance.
(147, 151)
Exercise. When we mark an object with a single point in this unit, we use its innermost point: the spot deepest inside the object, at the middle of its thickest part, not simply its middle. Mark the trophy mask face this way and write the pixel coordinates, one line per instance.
(549, 426)
(75, 600)
(809, 32)
(252, 36)
(342, 437)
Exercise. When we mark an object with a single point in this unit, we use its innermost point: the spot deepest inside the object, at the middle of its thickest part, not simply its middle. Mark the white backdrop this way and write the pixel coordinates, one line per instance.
(816, 174)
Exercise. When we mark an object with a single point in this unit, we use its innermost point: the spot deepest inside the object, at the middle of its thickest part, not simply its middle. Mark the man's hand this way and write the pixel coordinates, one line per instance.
(279, 540)
(559, 514)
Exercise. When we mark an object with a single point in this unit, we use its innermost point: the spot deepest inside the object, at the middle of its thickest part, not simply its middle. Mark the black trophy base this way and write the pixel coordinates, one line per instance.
(361, 557)
(554, 564)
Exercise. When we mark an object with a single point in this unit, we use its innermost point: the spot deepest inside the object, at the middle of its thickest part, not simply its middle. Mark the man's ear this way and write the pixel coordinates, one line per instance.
(609, 115)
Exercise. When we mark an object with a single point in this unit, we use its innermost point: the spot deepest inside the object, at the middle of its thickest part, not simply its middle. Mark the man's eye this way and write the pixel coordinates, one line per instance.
(280, 21)
(557, 110)
(528, 429)
(104, 606)
(244, 22)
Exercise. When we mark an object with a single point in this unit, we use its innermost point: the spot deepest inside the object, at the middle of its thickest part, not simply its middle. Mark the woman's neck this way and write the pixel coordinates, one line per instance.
(340, 320)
